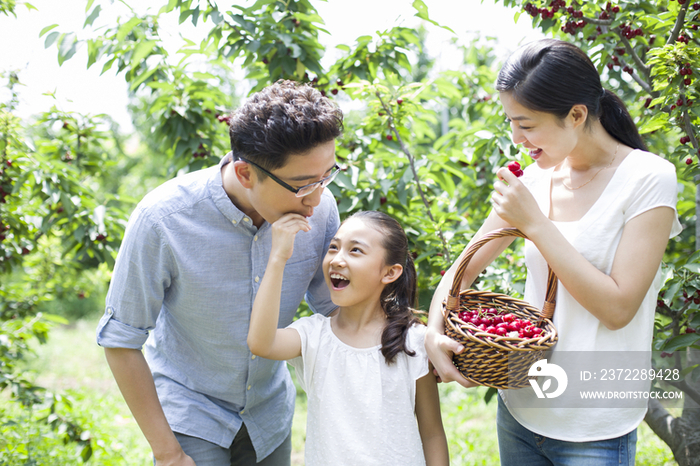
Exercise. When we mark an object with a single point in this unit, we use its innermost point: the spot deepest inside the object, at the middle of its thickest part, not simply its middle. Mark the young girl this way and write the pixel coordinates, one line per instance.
(599, 209)
(364, 368)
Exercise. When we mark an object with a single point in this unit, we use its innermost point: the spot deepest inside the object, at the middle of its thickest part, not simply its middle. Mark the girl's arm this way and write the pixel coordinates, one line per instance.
(613, 299)
(432, 433)
(264, 338)
(440, 348)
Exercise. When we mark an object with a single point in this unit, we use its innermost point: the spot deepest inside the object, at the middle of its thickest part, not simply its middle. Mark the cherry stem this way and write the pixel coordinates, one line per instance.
(411, 162)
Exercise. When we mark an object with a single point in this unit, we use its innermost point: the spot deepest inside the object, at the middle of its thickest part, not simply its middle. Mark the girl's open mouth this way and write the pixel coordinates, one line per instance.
(339, 282)
(534, 153)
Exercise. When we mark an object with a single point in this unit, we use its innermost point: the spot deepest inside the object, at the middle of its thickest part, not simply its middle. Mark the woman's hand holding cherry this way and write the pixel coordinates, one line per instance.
(284, 231)
(512, 201)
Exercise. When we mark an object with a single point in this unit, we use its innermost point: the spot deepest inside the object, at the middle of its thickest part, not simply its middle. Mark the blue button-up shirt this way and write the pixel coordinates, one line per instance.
(187, 272)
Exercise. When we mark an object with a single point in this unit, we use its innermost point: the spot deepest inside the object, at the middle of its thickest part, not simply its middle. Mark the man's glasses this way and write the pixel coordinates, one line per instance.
(304, 190)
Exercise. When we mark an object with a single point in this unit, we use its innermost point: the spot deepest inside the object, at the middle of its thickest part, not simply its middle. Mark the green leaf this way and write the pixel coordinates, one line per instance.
(126, 28)
(142, 50)
(67, 47)
(47, 29)
(658, 121)
(50, 39)
(93, 16)
(693, 267)
(681, 341)
(142, 77)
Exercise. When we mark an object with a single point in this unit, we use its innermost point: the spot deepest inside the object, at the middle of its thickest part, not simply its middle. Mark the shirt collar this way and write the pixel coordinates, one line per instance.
(216, 188)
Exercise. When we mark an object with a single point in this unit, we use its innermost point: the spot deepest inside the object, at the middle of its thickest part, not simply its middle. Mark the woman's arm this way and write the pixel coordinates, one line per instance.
(264, 338)
(432, 433)
(613, 299)
(440, 348)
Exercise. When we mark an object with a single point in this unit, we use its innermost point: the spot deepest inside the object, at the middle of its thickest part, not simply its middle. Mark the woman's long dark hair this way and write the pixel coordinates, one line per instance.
(398, 298)
(552, 76)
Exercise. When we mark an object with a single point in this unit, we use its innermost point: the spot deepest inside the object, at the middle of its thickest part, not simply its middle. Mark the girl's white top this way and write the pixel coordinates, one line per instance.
(361, 411)
(642, 182)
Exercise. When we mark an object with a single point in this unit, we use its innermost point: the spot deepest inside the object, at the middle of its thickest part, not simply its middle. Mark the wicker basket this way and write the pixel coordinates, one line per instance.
(497, 361)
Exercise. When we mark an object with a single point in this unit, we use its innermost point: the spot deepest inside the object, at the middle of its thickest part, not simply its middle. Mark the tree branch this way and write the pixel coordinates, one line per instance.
(637, 60)
(680, 20)
(598, 22)
(661, 422)
(404, 149)
(639, 80)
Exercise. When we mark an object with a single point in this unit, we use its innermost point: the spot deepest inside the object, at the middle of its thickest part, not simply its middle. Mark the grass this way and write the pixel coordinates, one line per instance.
(72, 362)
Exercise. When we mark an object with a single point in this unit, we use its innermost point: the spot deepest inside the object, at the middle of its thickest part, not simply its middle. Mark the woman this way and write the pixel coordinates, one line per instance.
(599, 210)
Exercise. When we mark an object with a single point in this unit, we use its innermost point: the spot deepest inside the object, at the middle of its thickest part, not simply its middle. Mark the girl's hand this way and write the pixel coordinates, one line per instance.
(284, 231)
(513, 202)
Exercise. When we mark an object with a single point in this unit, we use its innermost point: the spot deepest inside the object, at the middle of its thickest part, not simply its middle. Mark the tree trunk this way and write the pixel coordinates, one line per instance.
(681, 434)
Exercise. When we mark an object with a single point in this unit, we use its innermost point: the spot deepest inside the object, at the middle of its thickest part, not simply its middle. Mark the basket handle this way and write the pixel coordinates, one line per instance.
(452, 302)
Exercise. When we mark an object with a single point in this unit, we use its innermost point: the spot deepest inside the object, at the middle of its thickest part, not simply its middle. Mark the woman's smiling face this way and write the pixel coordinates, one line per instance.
(549, 139)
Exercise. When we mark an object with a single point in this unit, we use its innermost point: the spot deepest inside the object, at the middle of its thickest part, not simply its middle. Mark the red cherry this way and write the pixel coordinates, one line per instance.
(442, 272)
(382, 200)
(688, 161)
(690, 330)
(687, 81)
(389, 137)
(514, 166)
(334, 91)
(399, 101)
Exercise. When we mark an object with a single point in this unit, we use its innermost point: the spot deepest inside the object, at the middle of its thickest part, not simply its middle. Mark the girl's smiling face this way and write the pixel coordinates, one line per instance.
(549, 139)
(354, 266)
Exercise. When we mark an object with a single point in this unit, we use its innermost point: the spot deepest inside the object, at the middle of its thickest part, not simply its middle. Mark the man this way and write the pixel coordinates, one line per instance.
(193, 255)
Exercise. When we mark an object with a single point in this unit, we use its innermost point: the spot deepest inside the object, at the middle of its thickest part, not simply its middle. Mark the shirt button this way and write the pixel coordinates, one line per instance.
(110, 312)
(255, 238)
(233, 221)
(257, 279)
(249, 387)
(242, 411)
(252, 357)
(246, 220)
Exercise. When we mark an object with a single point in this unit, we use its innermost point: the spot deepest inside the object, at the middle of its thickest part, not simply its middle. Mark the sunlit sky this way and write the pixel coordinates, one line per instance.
(79, 89)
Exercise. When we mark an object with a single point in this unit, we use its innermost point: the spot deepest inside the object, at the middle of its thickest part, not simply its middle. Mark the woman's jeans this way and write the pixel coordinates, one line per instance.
(519, 446)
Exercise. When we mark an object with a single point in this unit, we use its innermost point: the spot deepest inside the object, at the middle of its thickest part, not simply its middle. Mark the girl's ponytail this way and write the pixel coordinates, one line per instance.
(398, 301)
(617, 121)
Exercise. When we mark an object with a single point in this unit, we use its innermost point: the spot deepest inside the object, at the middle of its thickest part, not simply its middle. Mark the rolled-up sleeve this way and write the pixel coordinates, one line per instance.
(142, 273)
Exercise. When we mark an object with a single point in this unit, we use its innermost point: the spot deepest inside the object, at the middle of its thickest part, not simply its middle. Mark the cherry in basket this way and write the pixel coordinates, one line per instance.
(498, 324)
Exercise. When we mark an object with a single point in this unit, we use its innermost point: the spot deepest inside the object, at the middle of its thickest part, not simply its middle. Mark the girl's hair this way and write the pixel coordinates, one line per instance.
(552, 76)
(399, 297)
